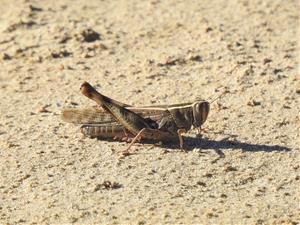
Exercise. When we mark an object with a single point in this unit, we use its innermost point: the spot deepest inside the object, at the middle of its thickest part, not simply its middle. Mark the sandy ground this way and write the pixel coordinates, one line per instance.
(246, 168)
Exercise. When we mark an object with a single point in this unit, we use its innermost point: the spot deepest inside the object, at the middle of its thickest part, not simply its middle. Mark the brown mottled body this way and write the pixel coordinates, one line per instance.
(130, 120)
(113, 118)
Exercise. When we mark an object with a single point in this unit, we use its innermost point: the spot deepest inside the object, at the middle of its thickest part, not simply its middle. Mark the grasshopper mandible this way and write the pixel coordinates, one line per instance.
(116, 119)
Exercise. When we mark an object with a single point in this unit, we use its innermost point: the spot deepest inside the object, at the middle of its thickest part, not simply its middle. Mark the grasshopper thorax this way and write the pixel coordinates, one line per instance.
(200, 112)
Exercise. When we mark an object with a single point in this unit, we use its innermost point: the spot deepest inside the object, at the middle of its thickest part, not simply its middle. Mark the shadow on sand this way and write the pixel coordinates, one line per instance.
(192, 143)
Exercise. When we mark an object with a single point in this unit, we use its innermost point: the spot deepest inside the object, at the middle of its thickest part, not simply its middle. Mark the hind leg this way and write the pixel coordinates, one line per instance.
(137, 138)
(125, 136)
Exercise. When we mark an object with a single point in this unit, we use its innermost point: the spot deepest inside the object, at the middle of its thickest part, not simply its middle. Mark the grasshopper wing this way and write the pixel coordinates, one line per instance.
(91, 115)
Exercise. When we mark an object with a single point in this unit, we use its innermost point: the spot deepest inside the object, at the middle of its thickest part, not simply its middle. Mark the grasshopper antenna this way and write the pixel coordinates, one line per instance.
(219, 96)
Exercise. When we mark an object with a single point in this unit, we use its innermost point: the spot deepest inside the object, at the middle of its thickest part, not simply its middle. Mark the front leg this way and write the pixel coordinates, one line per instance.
(180, 133)
(200, 130)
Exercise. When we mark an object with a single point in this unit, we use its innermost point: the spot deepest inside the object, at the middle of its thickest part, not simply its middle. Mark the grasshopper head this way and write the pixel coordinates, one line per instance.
(200, 112)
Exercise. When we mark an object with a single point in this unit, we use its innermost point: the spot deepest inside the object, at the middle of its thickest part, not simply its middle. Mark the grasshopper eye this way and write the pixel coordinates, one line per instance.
(200, 113)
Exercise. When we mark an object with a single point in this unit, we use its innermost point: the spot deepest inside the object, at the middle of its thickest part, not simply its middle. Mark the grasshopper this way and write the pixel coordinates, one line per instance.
(114, 119)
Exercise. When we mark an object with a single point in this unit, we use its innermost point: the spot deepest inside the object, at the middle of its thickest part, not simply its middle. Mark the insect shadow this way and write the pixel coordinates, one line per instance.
(203, 143)
(191, 143)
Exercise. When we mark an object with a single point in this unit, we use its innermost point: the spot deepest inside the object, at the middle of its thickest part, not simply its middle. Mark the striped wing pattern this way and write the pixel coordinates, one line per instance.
(97, 115)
